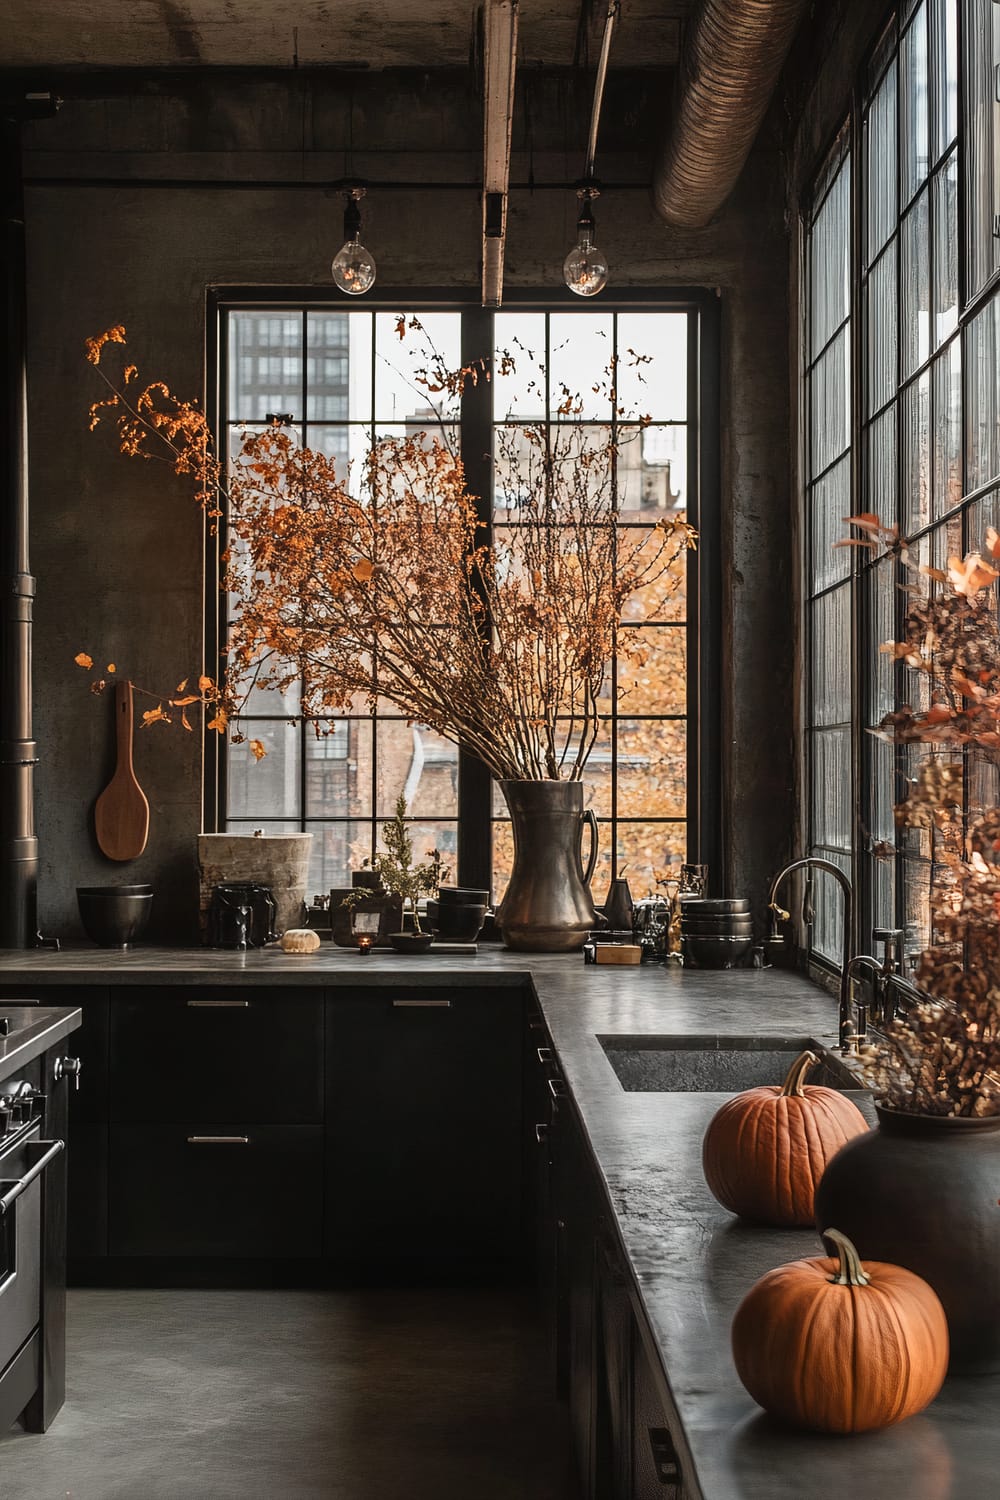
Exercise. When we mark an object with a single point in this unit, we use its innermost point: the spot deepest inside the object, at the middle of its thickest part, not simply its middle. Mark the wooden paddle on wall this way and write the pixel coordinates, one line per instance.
(121, 813)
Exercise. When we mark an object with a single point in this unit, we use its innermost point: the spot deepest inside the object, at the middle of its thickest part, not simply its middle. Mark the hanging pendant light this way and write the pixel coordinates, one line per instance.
(353, 268)
(585, 269)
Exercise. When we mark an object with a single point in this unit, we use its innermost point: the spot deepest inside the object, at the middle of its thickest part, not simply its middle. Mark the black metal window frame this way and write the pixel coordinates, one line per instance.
(474, 816)
(888, 868)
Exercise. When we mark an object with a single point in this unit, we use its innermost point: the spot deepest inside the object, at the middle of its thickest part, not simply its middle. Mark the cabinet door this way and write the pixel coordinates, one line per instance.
(656, 1473)
(543, 1091)
(424, 1128)
(87, 1191)
(216, 1189)
(198, 1053)
(614, 1371)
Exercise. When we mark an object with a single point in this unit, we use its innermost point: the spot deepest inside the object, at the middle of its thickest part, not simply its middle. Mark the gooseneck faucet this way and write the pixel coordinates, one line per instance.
(847, 1030)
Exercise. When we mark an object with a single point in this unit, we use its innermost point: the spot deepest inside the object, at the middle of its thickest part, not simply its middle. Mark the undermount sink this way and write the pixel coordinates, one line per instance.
(716, 1065)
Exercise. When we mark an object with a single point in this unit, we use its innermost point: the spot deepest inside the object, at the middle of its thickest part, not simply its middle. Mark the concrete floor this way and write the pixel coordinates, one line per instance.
(273, 1395)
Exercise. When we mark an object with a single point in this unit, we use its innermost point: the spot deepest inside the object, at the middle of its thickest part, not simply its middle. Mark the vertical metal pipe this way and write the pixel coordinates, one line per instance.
(18, 844)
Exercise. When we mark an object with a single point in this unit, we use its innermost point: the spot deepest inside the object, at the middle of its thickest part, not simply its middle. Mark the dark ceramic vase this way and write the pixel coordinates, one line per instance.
(921, 1191)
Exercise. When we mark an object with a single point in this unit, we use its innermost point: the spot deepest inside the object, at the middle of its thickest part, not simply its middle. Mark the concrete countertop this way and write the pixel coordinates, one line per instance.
(692, 1261)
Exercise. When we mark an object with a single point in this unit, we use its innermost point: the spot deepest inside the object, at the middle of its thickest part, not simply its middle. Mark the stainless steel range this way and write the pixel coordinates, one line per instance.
(35, 1076)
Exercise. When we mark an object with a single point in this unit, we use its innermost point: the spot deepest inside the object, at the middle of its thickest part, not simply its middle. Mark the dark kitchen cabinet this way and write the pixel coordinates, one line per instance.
(182, 1053)
(424, 1129)
(216, 1188)
(603, 1353)
(216, 1108)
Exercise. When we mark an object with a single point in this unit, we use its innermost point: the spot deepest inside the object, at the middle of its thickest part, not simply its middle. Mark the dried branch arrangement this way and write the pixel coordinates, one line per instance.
(379, 585)
(943, 1057)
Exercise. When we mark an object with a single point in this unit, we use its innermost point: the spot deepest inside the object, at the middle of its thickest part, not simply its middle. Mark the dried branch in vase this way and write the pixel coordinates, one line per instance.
(380, 583)
(943, 1056)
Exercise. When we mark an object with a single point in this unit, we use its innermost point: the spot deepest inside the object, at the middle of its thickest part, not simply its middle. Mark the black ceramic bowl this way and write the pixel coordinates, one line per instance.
(704, 906)
(113, 916)
(459, 923)
(733, 925)
(461, 895)
(716, 952)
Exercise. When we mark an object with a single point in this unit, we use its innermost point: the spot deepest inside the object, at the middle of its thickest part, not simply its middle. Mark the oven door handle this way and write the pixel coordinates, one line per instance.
(50, 1150)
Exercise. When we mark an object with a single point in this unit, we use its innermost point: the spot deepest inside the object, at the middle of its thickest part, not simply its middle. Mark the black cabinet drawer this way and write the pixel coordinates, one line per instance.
(214, 1054)
(216, 1189)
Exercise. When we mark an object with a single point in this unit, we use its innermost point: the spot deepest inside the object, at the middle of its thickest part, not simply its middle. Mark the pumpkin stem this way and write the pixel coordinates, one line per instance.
(792, 1086)
(850, 1272)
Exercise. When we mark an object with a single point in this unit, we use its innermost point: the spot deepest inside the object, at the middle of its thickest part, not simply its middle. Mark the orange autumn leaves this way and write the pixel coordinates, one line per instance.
(950, 637)
(207, 694)
(378, 584)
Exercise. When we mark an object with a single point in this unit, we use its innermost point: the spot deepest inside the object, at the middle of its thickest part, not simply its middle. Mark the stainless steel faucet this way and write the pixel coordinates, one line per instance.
(892, 992)
(848, 1031)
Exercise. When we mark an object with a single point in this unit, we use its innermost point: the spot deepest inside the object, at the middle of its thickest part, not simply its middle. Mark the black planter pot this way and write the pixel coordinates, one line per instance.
(411, 942)
(921, 1191)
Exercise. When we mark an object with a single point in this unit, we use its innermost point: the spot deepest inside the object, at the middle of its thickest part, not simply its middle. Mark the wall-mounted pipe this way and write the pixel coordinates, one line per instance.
(732, 55)
(18, 844)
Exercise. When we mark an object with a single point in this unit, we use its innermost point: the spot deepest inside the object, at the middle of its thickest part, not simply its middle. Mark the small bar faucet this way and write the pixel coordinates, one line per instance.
(847, 1030)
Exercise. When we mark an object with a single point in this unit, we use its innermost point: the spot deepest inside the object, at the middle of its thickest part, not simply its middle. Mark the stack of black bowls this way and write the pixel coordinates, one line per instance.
(716, 933)
(460, 913)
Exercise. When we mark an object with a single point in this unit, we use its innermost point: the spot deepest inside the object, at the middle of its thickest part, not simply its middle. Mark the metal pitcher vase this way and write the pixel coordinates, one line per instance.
(547, 907)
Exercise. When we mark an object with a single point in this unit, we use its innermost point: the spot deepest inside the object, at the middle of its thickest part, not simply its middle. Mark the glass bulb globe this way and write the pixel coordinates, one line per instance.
(585, 269)
(353, 268)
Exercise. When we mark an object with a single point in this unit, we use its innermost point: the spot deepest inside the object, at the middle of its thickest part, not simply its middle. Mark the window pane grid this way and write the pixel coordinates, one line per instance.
(330, 376)
(927, 371)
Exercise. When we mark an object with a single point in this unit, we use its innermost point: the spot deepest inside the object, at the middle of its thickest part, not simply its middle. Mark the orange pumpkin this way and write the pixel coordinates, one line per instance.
(767, 1148)
(841, 1345)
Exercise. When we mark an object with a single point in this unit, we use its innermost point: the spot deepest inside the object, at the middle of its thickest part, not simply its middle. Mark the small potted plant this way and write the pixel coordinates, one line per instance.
(399, 876)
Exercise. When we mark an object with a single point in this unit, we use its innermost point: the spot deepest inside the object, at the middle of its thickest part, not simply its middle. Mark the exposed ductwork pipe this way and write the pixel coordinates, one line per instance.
(732, 55)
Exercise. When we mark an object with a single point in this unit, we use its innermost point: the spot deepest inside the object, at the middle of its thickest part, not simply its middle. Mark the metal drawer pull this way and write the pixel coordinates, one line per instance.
(50, 1150)
(557, 1088)
(218, 1004)
(544, 1054)
(218, 1140)
(541, 1131)
(421, 1004)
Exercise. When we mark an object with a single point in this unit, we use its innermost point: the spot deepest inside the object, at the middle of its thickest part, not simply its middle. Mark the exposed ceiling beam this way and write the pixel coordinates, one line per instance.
(499, 67)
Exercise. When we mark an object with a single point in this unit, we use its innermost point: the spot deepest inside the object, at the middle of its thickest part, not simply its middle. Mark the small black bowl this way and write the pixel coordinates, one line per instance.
(411, 942)
(461, 895)
(460, 923)
(113, 916)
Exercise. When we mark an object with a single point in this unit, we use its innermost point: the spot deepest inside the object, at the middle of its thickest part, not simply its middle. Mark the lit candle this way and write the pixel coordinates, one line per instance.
(364, 942)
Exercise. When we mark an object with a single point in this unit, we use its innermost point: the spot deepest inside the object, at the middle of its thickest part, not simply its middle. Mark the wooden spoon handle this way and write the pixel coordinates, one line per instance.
(124, 724)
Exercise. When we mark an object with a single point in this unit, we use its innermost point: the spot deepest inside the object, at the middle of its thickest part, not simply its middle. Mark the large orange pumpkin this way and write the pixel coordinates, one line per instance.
(841, 1345)
(767, 1148)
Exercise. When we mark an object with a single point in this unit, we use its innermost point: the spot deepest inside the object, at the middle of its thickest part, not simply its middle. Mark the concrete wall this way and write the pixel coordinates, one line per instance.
(117, 547)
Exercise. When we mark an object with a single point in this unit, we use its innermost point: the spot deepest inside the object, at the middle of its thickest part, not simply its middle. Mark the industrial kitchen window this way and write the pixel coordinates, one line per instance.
(827, 458)
(338, 377)
(924, 418)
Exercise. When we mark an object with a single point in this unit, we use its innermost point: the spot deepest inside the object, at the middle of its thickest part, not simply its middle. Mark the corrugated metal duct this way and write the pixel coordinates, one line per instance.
(732, 55)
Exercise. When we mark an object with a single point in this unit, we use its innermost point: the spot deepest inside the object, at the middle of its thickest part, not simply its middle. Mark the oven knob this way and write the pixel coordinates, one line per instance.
(64, 1067)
